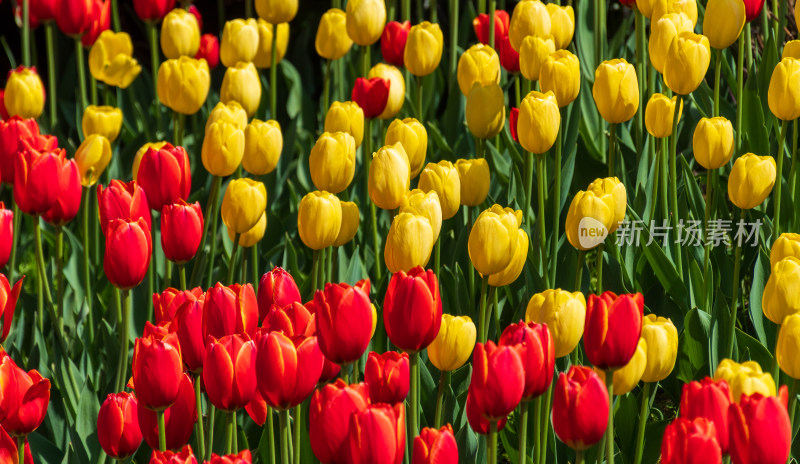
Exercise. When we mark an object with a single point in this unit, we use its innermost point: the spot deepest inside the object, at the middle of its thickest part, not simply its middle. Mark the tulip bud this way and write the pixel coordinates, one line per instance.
(723, 22)
(6, 233)
(745, 379)
(319, 219)
(761, 430)
(498, 379)
(443, 178)
(453, 345)
(493, 239)
(409, 242)
(397, 88)
(263, 144)
(153, 354)
(412, 309)
(208, 50)
(244, 202)
(711, 400)
(539, 121)
(118, 426)
(264, 55)
(475, 179)
(580, 393)
(239, 41)
(122, 201)
(660, 114)
(616, 90)
(180, 34)
(346, 117)
(179, 420)
(92, 157)
(661, 337)
(511, 272)
(333, 161)
(426, 205)
(712, 142)
(564, 313)
(393, 42)
(102, 120)
(332, 41)
(786, 245)
(613, 327)
(509, 58)
(344, 321)
(433, 446)
(229, 310)
(276, 11)
(664, 7)
(751, 180)
(389, 176)
(74, 18)
(589, 219)
(127, 255)
(690, 441)
(223, 148)
(535, 347)
(24, 93)
(37, 180)
(612, 186)
(181, 231)
(481, 26)
(627, 377)
(371, 95)
(562, 22)
(479, 63)
(350, 222)
(423, 49)
(532, 54)
(329, 418)
(530, 17)
(784, 89)
(378, 434)
(687, 62)
(662, 31)
(788, 345)
(365, 21)
(68, 202)
(229, 372)
(242, 84)
(486, 110)
(387, 377)
(164, 175)
(414, 138)
(152, 10)
(780, 298)
(183, 84)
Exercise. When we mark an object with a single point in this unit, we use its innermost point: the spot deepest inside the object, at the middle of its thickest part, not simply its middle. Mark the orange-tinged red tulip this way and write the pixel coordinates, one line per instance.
(711, 400)
(288, 368)
(12, 132)
(378, 434)
(165, 176)
(412, 309)
(243, 457)
(387, 377)
(292, 319)
(329, 419)
(100, 21)
(188, 325)
(181, 230)
(393, 42)
(68, 201)
(37, 174)
(24, 397)
(122, 200)
(371, 95)
(344, 321)
(580, 394)
(118, 426)
(8, 303)
(157, 371)
(184, 456)
(230, 310)
(498, 380)
(276, 287)
(537, 352)
(612, 329)
(167, 303)
(128, 251)
(760, 430)
(690, 442)
(179, 419)
(229, 371)
(433, 446)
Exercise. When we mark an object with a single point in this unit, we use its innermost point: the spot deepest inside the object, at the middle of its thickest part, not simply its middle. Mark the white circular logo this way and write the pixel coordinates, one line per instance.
(591, 232)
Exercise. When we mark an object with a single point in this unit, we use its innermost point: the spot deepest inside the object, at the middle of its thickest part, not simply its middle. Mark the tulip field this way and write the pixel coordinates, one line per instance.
(396, 232)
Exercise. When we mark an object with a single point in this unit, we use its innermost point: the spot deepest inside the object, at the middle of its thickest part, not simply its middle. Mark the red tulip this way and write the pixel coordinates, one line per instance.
(179, 419)
(230, 310)
(152, 10)
(185, 456)
(24, 397)
(101, 21)
(8, 303)
(189, 328)
(435, 446)
(257, 409)
(412, 309)
(118, 426)
(277, 287)
(42, 10)
(9, 453)
(157, 371)
(393, 42)
(481, 26)
(12, 132)
(477, 419)
(166, 303)
(628, 3)
(128, 250)
(752, 8)
(287, 369)
(6, 233)
(612, 329)
(292, 319)
(244, 457)
(513, 116)
(74, 17)
(329, 419)
(498, 379)
(344, 322)
(710, 400)
(509, 58)
(537, 352)
(122, 200)
(378, 434)
(165, 176)
(3, 110)
(209, 50)
(68, 202)
(37, 174)
(181, 231)
(691, 442)
(371, 95)
(387, 377)
(229, 372)
(760, 430)
(580, 408)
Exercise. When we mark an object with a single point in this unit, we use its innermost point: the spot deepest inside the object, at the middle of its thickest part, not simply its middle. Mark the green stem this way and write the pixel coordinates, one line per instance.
(481, 6)
(162, 432)
(182, 273)
(482, 314)
(610, 431)
(540, 172)
(717, 70)
(210, 206)
(81, 73)
(599, 6)
(199, 426)
(444, 384)
(51, 72)
(248, 8)
(492, 7)
(674, 182)
(315, 272)
(612, 139)
(273, 75)
(12, 263)
(254, 262)
(490, 307)
(87, 279)
(123, 339)
(298, 416)
(776, 224)
(749, 41)
(414, 398)
(60, 280)
(707, 246)
(640, 73)
(115, 15)
(232, 259)
(517, 91)
(579, 271)
(523, 432)
(326, 87)
(579, 457)
(599, 268)
(644, 413)
(537, 430)
(656, 159)
(364, 55)
(492, 448)
(41, 270)
(285, 431)
(548, 398)
(556, 207)
(229, 434)
(406, 10)
(479, 148)
(21, 439)
(212, 414)
(420, 112)
(214, 227)
(453, 42)
(437, 255)
(739, 95)
(792, 403)
(271, 433)
(235, 434)
(152, 35)
(178, 120)
(737, 264)
(793, 169)
(26, 38)
(167, 273)
(663, 161)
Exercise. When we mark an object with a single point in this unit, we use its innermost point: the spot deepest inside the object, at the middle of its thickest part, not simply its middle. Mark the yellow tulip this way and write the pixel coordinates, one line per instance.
(539, 122)
(111, 59)
(277, 11)
(365, 21)
(533, 53)
(231, 112)
(423, 50)
(397, 88)
(493, 239)
(239, 41)
(475, 180)
(412, 135)
(453, 345)
(409, 243)
(333, 161)
(24, 95)
(263, 144)
(92, 158)
(244, 202)
(442, 177)
(508, 275)
(783, 95)
(589, 219)
(751, 180)
(565, 315)
(660, 114)
(664, 7)
(626, 378)
(786, 245)
(180, 34)
(646, 7)
(389, 176)
(791, 50)
(561, 74)
(662, 31)
(223, 148)
(745, 378)
(486, 110)
(263, 57)
(350, 221)
(346, 117)
(530, 17)
(332, 41)
(319, 219)
(183, 84)
(781, 297)
(252, 236)
(426, 205)
(616, 90)
(141, 151)
(102, 120)
(479, 63)
(712, 142)
(612, 186)
(242, 85)
(723, 22)
(687, 62)
(662, 347)
(789, 345)
(562, 24)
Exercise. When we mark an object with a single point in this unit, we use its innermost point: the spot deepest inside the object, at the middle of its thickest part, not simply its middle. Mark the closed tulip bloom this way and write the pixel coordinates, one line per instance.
(751, 180)
(711, 400)
(509, 58)
(414, 138)
(208, 50)
(539, 121)
(137, 159)
(223, 148)
(333, 161)
(662, 347)
(387, 377)
(781, 298)
(786, 245)
(350, 222)
(486, 110)
(24, 93)
(378, 434)
(183, 84)
(319, 219)
(564, 313)
(365, 21)
(229, 372)
(493, 239)
(244, 202)
(263, 57)
(371, 95)
(181, 231)
(613, 327)
(122, 200)
(276, 287)
(784, 90)
(619, 197)
(25, 398)
(745, 379)
(530, 17)
(167, 303)
(498, 379)
(344, 322)
(475, 178)
(68, 202)
(562, 22)
(188, 325)
(662, 31)
(453, 344)
(616, 90)
(332, 41)
(761, 430)
(42, 11)
(346, 117)
(92, 157)
(184, 456)
(179, 420)
(128, 250)
(433, 446)
(263, 144)
(152, 354)
(580, 393)
(8, 303)
(532, 54)
(712, 142)
(242, 85)
(663, 7)
(627, 377)
(659, 116)
(536, 350)
(443, 178)
(239, 41)
(397, 88)
(481, 26)
(100, 21)
(165, 176)
(479, 63)
(180, 34)
(102, 120)
(753, 9)
(111, 59)
(389, 176)
(277, 11)
(412, 309)
(690, 442)
(426, 205)
(687, 62)
(788, 344)
(329, 419)
(561, 74)
(409, 242)
(74, 18)
(589, 219)
(423, 49)
(723, 22)
(38, 167)
(12, 132)
(511, 272)
(393, 41)
(118, 426)
(152, 10)
(230, 310)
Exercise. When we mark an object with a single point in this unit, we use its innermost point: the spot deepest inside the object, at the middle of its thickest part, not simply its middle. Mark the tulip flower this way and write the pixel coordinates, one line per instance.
(453, 344)
(6, 233)
(532, 54)
(42, 11)
(332, 41)
(564, 313)
(784, 90)
(745, 379)
(753, 9)
(498, 379)
(100, 21)
(288, 369)
(118, 426)
(68, 202)
(423, 49)
(560, 73)
(619, 197)
(128, 251)
(111, 59)
(481, 26)
(74, 17)
(180, 34)
(223, 148)
(179, 420)
(319, 219)
(589, 219)
(38, 169)
(167, 303)
(183, 83)
(276, 287)
(539, 121)
(344, 322)
(102, 120)
(389, 176)
(397, 88)
(181, 231)
(751, 180)
(530, 17)
(229, 371)
(493, 239)
(263, 144)
(663, 30)
(150, 355)
(8, 296)
(408, 228)
(25, 397)
(660, 114)
(244, 201)
(443, 178)
(687, 7)
(329, 419)
(152, 10)
(264, 55)
(613, 327)
(9, 450)
(13, 132)
(661, 337)
(537, 353)
(350, 223)
(426, 205)
(24, 93)
(475, 178)
(687, 62)
(708, 399)
(627, 377)
(788, 343)
(479, 63)
(562, 24)
(332, 161)
(276, 11)
(208, 50)
(509, 58)
(184, 456)
(346, 117)
(387, 377)
(786, 245)
(478, 420)
(690, 442)
(137, 159)
(433, 446)
(165, 176)
(242, 85)
(393, 42)
(486, 111)
(414, 138)
(92, 157)
(122, 200)
(293, 319)
(412, 309)
(239, 41)
(724, 22)
(616, 90)
(511, 272)
(580, 393)
(371, 95)
(378, 434)
(365, 21)
(230, 310)
(188, 325)
(760, 429)
(243, 457)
